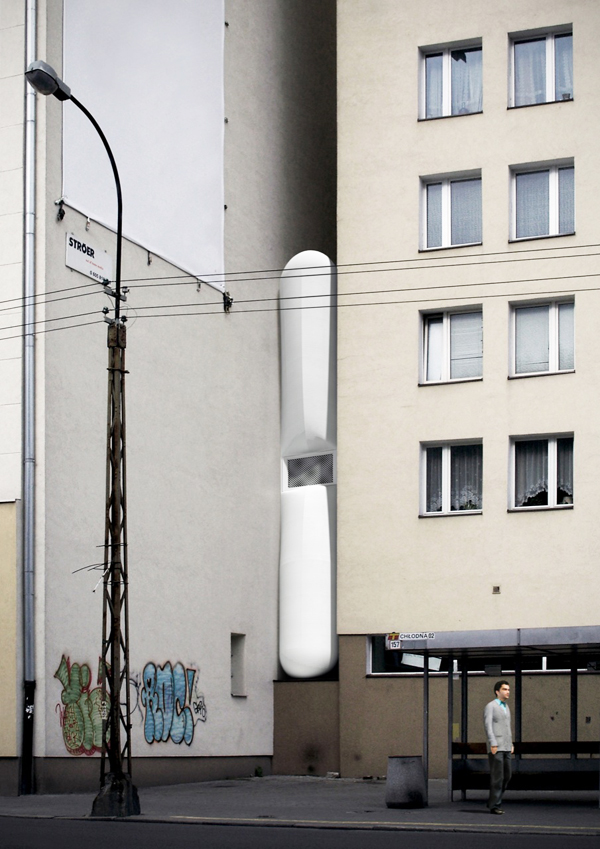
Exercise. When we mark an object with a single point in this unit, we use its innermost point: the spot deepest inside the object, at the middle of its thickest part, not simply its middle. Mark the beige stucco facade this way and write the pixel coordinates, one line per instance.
(397, 570)
(9, 631)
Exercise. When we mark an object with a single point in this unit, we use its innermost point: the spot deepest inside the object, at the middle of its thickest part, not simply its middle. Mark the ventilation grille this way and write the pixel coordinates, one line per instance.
(308, 471)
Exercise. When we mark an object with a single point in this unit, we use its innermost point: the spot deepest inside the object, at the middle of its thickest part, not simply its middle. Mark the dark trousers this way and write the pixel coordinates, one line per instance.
(500, 772)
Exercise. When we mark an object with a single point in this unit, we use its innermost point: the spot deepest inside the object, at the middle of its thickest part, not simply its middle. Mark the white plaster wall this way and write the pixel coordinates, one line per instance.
(397, 571)
(11, 229)
(202, 417)
(151, 73)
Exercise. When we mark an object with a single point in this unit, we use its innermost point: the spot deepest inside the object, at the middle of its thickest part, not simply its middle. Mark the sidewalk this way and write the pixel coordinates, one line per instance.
(302, 801)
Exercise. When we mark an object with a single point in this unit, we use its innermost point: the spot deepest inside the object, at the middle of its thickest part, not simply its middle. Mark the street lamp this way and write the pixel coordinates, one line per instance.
(118, 796)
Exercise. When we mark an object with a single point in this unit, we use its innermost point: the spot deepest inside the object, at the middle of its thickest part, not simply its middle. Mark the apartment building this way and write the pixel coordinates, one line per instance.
(468, 233)
(225, 173)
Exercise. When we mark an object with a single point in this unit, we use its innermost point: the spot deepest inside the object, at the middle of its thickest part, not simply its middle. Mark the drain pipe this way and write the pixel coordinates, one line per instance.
(28, 494)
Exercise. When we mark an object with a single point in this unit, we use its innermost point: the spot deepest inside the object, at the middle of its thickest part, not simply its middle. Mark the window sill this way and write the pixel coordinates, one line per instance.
(538, 238)
(453, 247)
(444, 117)
(451, 382)
(453, 513)
(544, 103)
(239, 696)
(539, 509)
(540, 374)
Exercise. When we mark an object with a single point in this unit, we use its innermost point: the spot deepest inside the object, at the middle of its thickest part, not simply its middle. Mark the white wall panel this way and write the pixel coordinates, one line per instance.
(151, 73)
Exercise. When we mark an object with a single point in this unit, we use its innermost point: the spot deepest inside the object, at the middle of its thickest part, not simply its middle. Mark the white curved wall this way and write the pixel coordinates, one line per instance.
(307, 593)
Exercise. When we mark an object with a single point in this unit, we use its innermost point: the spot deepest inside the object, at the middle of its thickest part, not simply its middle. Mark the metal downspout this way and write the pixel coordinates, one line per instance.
(28, 495)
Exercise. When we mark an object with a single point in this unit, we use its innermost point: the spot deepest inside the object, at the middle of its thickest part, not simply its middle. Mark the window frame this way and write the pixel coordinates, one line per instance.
(552, 460)
(305, 455)
(549, 34)
(446, 51)
(446, 446)
(425, 318)
(553, 168)
(553, 335)
(446, 180)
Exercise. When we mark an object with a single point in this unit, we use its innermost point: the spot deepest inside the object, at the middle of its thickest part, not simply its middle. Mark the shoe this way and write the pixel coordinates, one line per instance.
(496, 811)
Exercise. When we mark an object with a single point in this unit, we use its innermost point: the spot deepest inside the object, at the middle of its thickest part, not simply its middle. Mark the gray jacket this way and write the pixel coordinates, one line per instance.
(496, 721)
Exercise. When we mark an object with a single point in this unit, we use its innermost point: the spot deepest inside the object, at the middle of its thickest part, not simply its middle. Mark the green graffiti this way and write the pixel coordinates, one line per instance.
(81, 716)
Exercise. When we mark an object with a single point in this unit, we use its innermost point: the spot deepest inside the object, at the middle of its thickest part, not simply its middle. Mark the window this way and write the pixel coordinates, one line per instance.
(543, 472)
(544, 339)
(309, 471)
(452, 478)
(452, 211)
(451, 81)
(384, 658)
(543, 201)
(542, 68)
(238, 678)
(452, 346)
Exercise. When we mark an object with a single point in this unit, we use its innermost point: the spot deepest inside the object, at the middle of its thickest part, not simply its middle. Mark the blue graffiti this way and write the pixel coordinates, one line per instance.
(167, 693)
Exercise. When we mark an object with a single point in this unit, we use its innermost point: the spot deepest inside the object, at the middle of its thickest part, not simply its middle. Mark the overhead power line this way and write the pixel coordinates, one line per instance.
(277, 308)
(385, 266)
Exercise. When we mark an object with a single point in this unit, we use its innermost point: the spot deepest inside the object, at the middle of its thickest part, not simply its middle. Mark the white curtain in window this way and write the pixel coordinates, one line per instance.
(433, 482)
(566, 200)
(566, 336)
(530, 72)
(531, 473)
(533, 204)
(434, 347)
(563, 66)
(466, 463)
(564, 470)
(466, 345)
(465, 203)
(466, 79)
(532, 339)
(434, 86)
(434, 215)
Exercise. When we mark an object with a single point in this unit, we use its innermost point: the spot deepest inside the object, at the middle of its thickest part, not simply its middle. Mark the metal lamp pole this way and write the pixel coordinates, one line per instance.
(118, 796)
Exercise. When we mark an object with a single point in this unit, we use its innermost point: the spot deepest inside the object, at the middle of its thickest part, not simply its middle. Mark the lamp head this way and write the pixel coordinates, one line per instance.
(44, 79)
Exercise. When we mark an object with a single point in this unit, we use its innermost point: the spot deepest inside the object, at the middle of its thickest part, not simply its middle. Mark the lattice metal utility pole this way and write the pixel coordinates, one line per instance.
(117, 796)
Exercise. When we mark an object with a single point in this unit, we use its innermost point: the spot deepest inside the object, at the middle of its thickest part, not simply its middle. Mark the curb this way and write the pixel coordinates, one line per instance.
(333, 825)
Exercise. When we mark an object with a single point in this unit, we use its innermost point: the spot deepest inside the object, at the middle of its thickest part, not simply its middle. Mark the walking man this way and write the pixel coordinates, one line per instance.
(496, 719)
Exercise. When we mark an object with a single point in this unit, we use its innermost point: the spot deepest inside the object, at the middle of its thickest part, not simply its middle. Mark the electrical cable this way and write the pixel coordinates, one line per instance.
(563, 291)
(188, 279)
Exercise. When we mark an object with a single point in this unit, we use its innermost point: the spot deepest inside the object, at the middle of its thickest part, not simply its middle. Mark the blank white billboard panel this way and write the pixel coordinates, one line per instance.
(151, 74)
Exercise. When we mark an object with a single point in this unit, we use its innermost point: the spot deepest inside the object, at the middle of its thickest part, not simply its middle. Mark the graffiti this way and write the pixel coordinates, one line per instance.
(82, 709)
(173, 705)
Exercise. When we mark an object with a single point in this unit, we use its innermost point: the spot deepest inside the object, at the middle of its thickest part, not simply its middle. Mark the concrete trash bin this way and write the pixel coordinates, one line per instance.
(405, 785)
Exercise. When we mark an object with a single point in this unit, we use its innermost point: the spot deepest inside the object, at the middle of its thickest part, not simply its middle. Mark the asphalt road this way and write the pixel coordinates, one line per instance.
(22, 833)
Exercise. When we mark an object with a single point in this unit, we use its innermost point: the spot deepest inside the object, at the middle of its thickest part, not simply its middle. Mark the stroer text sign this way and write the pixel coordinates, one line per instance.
(88, 259)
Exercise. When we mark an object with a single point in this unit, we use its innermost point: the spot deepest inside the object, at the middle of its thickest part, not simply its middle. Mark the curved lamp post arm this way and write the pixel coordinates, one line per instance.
(44, 79)
(98, 129)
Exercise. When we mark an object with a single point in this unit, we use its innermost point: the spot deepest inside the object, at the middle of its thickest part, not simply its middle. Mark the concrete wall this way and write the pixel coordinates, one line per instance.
(396, 570)
(307, 728)
(203, 469)
(354, 726)
(280, 136)
(383, 716)
(12, 14)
